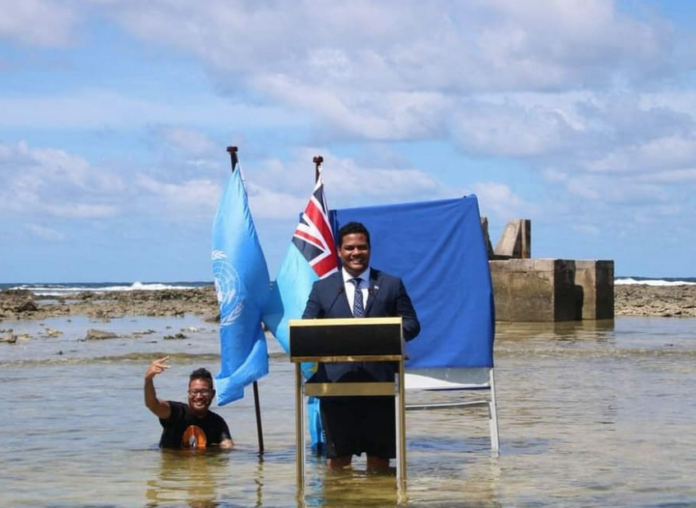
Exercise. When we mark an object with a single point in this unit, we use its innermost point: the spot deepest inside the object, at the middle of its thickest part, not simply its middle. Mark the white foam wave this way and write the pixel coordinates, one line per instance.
(652, 282)
(64, 290)
(139, 286)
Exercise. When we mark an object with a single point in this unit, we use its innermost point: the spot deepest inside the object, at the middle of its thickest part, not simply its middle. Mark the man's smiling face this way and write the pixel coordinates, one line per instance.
(355, 253)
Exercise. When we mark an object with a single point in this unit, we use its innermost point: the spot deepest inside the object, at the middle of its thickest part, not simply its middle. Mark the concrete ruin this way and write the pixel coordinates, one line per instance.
(533, 290)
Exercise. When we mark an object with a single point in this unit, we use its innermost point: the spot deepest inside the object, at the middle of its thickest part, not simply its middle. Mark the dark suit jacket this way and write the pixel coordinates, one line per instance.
(387, 297)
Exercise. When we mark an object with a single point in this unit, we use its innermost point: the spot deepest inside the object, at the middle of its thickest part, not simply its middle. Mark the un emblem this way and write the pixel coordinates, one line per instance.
(227, 288)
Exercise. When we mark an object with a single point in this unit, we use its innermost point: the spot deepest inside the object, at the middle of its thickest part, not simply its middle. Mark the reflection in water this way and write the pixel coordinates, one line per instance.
(447, 460)
(186, 475)
(441, 473)
(602, 330)
(355, 487)
(199, 478)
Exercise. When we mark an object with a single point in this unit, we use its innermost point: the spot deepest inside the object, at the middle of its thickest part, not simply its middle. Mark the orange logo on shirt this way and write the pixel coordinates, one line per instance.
(193, 437)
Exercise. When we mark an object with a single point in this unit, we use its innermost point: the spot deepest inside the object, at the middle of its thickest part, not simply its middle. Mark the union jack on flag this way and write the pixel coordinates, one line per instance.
(313, 236)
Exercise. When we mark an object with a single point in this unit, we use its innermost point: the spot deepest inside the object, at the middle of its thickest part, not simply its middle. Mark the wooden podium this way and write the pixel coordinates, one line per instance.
(348, 340)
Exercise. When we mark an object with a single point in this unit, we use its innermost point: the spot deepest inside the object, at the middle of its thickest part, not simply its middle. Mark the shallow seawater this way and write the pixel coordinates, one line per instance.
(591, 414)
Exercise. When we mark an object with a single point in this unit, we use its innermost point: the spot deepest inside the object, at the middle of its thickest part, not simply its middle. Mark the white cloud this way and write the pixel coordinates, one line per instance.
(36, 181)
(499, 202)
(80, 210)
(400, 45)
(274, 204)
(355, 185)
(571, 43)
(368, 115)
(351, 182)
(624, 191)
(591, 142)
(53, 183)
(654, 156)
(405, 70)
(280, 189)
(586, 229)
(46, 233)
(99, 108)
(37, 23)
(191, 199)
(511, 130)
(677, 177)
(188, 141)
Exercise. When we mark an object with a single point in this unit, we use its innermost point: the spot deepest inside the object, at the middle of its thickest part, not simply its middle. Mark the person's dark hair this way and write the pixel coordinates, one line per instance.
(353, 228)
(203, 374)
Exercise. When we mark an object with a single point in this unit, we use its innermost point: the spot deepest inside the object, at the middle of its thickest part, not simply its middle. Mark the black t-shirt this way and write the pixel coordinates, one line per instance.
(184, 430)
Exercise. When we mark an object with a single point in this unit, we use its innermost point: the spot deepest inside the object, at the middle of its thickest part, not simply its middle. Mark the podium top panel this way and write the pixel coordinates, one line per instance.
(362, 337)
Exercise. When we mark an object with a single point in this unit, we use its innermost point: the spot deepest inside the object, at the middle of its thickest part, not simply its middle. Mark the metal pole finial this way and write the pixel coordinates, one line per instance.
(318, 160)
(234, 159)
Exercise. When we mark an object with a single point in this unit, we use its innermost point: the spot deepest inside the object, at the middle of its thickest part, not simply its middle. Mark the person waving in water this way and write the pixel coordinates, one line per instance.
(190, 425)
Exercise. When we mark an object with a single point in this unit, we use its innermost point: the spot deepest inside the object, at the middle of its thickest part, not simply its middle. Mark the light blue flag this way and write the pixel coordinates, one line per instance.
(288, 300)
(242, 285)
(289, 296)
(311, 256)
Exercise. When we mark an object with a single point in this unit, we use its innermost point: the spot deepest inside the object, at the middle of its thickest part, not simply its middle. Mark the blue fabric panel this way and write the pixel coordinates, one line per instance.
(438, 249)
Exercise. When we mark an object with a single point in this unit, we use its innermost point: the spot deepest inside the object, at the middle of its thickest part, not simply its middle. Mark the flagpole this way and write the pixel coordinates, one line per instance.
(257, 405)
(318, 161)
(234, 161)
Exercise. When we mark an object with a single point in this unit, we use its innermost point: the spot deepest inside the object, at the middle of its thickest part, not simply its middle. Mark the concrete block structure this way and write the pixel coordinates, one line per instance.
(528, 290)
(487, 238)
(516, 240)
(547, 290)
(596, 279)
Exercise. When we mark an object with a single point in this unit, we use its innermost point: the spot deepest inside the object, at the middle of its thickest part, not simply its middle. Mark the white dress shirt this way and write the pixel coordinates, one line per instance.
(350, 287)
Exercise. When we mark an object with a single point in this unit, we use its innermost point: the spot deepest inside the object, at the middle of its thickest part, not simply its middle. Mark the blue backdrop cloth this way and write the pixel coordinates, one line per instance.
(438, 249)
(242, 285)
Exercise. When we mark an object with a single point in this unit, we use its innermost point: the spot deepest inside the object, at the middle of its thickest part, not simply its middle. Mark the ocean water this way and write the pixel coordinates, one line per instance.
(68, 288)
(590, 414)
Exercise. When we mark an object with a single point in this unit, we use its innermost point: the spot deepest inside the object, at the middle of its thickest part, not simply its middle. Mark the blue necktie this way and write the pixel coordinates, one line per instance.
(358, 308)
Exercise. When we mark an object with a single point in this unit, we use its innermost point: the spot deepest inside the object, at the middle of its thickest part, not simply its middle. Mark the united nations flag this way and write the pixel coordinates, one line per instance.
(242, 285)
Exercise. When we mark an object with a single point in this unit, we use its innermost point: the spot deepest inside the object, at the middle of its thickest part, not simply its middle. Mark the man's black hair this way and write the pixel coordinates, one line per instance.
(353, 228)
(203, 374)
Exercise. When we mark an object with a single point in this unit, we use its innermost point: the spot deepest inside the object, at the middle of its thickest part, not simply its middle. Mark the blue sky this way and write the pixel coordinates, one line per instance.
(115, 114)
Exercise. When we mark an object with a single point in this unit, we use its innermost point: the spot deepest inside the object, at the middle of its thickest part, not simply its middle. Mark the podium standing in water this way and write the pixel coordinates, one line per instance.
(360, 424)
(350, 341)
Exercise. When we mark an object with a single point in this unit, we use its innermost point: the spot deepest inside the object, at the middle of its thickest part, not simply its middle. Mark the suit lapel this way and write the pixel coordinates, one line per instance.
(341, 308)
(372, 290)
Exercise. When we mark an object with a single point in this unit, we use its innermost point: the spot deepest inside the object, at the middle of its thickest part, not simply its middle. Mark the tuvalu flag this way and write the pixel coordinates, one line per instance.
(310, 257)
(242, 285)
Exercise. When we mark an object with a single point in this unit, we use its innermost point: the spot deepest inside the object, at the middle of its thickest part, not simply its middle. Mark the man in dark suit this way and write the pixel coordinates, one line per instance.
(354, 425)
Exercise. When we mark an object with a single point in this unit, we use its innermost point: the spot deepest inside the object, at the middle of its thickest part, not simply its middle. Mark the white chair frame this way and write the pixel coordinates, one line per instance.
(456, 379)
